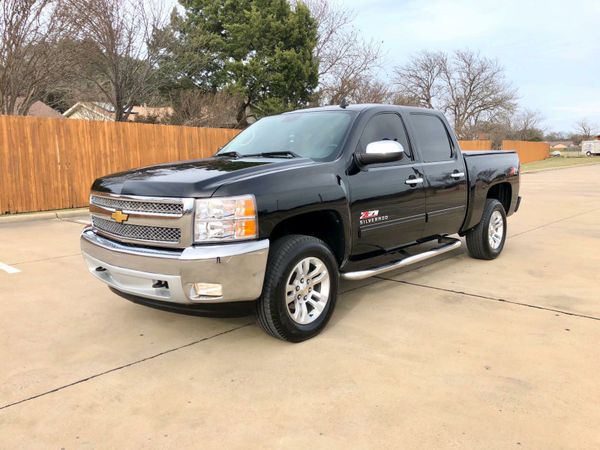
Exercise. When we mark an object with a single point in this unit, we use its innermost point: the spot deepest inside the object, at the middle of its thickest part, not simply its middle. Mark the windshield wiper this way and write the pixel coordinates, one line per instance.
(278, 154)
(233, 154)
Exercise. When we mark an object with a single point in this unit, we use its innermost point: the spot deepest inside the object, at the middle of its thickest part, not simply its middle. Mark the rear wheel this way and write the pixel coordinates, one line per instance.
(487, 239)
(300, 289)
(588, 153)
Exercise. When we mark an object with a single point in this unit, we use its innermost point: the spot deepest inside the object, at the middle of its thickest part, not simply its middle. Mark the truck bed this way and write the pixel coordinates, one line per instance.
(486, 168)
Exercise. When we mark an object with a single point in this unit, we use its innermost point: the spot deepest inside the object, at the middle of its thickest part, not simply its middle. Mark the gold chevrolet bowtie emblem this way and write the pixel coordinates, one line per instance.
(119, 217)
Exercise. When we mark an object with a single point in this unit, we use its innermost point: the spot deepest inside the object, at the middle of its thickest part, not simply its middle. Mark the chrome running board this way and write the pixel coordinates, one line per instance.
(362, 274)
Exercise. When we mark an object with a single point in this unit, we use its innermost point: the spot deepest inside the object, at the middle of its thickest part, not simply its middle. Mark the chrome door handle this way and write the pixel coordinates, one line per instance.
(413, 181)
(457, 174)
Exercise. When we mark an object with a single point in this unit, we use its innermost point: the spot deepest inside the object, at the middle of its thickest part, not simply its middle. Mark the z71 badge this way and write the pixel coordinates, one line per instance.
(369, 214)
(367, 217)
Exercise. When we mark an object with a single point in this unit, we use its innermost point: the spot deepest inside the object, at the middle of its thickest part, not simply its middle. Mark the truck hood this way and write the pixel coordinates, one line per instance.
(197, 178)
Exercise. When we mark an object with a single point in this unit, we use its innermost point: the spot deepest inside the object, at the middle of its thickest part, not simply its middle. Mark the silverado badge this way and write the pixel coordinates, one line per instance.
(119, 217)
(369, 217)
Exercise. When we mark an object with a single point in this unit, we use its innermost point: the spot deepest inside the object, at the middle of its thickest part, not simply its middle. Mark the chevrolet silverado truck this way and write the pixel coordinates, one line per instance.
(293, 204)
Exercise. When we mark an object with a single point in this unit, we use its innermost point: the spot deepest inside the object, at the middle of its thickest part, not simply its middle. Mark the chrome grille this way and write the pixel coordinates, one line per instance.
(137, 232)
(159, 221)
(163, 208)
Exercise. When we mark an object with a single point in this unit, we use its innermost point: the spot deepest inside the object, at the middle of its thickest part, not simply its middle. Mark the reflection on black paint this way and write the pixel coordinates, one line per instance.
(187, 171)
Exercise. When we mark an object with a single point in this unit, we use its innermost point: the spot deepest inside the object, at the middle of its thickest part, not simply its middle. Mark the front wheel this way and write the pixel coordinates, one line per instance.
(300, 288)
(588, 154)
(487, 239)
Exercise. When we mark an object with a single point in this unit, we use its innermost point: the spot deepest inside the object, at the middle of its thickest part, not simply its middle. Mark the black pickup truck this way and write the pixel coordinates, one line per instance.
(291, 205)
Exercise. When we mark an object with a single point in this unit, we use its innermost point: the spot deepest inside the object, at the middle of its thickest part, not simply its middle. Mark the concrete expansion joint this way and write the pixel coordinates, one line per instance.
(124, 366)
(494, 299)
(555, 222)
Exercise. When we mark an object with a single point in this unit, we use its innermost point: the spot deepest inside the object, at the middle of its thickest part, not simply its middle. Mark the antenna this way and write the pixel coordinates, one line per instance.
(344, 103)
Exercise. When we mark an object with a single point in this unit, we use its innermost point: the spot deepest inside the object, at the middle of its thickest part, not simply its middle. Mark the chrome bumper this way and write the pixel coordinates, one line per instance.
(238, 267)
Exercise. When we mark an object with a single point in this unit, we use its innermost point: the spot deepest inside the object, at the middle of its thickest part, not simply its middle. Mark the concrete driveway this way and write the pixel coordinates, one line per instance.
(457, 353)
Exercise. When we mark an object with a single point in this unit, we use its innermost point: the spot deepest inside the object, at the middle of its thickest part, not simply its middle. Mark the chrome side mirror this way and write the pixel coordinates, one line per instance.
(381, 152)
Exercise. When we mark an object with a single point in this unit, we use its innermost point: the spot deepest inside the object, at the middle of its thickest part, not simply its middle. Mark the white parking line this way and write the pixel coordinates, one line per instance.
(8, 269)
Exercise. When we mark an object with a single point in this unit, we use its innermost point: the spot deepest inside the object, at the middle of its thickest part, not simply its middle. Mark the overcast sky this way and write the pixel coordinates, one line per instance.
(550, 49)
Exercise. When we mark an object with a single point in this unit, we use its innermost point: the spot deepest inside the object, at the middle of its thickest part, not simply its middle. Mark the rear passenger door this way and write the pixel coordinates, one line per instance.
(445, 175)
(388, 199)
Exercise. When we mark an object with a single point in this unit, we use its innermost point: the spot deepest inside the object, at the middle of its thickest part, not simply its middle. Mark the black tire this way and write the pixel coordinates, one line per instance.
(271, 308)
(588, 154)
(478, 242)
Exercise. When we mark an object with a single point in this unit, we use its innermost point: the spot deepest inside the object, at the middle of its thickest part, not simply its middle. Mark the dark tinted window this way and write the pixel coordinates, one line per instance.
(432, 137)
(382, 127)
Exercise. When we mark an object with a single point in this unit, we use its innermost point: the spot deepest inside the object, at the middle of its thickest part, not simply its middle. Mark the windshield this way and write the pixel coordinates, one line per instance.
(316, 135)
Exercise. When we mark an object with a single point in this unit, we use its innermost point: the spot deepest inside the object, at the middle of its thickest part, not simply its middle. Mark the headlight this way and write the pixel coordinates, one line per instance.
(225, 219)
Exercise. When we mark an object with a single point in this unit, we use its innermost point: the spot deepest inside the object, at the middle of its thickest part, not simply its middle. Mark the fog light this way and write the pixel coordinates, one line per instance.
(207, 290)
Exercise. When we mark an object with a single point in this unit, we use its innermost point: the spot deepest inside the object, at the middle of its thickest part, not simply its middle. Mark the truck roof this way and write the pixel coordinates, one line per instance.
(364, 107)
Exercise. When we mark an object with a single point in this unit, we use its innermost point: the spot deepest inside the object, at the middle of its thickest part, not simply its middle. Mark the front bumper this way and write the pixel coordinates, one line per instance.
(238, 267)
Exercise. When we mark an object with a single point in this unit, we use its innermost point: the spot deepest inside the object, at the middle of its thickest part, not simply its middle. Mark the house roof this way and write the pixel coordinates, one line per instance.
(105, 111)
(565, 143)
(39, 109)
(91, 110)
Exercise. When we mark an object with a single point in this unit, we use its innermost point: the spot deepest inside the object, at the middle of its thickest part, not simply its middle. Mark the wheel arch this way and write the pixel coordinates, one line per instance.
(326, 225)
(501, 192)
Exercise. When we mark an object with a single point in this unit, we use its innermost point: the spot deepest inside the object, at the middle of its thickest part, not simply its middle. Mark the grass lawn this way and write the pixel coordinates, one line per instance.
(552, 163)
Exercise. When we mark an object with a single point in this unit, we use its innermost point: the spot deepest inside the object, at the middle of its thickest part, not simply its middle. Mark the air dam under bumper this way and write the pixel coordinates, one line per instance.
(238, 267)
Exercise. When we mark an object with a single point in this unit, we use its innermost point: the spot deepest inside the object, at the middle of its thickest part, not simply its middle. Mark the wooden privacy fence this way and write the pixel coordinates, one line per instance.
(528, 151)
(480, 144)
(50, 164)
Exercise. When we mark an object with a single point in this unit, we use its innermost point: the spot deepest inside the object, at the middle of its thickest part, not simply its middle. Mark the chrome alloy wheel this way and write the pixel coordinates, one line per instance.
(307, 290)
(496, 230)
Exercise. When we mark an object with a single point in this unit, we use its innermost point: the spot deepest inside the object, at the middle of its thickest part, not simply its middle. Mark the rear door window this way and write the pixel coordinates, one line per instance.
(432, 137)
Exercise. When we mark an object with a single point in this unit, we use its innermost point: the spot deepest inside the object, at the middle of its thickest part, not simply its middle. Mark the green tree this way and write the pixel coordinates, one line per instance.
(260, 50)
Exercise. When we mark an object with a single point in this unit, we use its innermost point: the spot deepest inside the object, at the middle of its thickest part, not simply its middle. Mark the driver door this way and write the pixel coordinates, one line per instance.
(387, 200)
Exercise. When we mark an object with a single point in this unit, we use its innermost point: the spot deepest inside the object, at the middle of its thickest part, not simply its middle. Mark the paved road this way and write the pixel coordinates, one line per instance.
(458, 353)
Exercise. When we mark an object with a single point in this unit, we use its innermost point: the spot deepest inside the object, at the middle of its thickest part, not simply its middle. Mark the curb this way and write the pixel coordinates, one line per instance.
(44, 215)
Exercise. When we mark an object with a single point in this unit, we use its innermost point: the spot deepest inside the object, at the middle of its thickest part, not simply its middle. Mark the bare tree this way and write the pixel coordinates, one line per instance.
(557, 136)
(468, 87)
(350, 76)
(372, 91)
(29, 56)
(361, 89)
(475, 89)
(333, 20)
(114, 48)
(419, 79)
(404, 99)
(196, 108)
(346, 60)
(584, 129)
(527, 126)
(524, 125)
